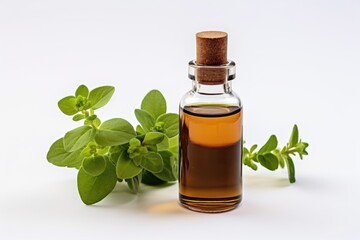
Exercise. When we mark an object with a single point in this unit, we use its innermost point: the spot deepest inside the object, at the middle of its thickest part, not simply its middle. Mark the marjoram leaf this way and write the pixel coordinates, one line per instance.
(116, 131)
(294, 138)
(93, 189)
(100, 96)
(146, 120)
(77, 138)
(154, 103)
(68, 105)
(59, 157)
(270, 145)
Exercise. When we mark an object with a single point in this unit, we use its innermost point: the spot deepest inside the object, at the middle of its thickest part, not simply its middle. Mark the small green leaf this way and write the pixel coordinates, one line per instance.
(94, 166)
(96, 122)
(269, 161)
(94, 189)
(291, 169)
(145, 119)
(152, 138)
(253, 147)
(78, 117)
(270, 145)
(152, 162)
(154, 103)
(137, 160)
(68, 105)
(135, 142)
(300, 147)
(174, 144)
(82, 90)
(149, 179)
(100, 96)
(59, 157)
(169, 171)
(134, 183)
(91, 118)
(163, 145)
(248, 162)
(139, 130)
(116, 131)
(294, 138)
(115, 153)
(245, 151)
(125, 167)
(77, 138)
(171, 123)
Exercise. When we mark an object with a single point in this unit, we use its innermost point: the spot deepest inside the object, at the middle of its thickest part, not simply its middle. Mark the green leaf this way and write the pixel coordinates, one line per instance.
(68, 105)
(59, 157)
(115, 153)
(301, 148)
(294, 138)
(152, 138)
(116, 131)
(134, 183)
(149, 179)
(94, 166)
(174, 144)
(139, 130)
(91, 118)
(291, 169)
(125, 167)
(253, 147)
(171, 123)
(169, 171)
(100, 96)
(94, 189)
(154, 103)
(96, 122)
(78, 117)
(152, 162)
(77, 138)
(245, 151)
(137, 160)
(269, 161)
(270, 145)
(145, 119)
(248, 162)
(135, 142)
(163, 145)
(82, 90)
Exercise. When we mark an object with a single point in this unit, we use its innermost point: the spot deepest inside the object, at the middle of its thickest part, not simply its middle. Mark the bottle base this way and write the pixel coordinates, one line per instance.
(210, 205)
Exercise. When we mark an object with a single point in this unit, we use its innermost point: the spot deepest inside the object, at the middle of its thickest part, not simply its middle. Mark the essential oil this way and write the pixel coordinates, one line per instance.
(210, 166)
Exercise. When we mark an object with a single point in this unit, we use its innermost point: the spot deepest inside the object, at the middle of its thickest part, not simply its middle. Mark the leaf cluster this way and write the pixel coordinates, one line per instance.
(271, 157)
(114, 151)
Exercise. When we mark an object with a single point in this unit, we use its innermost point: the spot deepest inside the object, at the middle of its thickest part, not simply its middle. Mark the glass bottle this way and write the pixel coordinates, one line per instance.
(210, 166)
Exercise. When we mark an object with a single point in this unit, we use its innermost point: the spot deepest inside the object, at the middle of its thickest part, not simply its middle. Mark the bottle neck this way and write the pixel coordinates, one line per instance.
(212, 80)
(212, 89)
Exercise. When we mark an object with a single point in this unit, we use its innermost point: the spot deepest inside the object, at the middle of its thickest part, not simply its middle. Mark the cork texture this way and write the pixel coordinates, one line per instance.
(211, 50)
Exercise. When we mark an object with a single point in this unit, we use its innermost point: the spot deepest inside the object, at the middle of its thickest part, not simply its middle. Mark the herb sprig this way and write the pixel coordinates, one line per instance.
(114, 151)
(271, 157)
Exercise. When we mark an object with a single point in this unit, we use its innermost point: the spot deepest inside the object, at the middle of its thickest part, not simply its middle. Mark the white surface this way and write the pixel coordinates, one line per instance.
(298, 62)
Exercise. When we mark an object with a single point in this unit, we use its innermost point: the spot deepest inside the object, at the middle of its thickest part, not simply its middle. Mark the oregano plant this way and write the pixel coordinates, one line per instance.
(113, 151)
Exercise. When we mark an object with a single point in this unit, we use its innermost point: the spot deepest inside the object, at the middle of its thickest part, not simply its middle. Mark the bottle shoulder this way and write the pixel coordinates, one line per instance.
(193, 98)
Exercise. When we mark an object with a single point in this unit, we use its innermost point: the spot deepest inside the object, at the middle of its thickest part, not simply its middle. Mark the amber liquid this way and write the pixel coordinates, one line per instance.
(210, 177)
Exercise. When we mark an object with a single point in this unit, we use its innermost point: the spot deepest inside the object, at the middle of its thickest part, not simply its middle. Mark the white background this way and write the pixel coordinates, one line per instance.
(298, 62)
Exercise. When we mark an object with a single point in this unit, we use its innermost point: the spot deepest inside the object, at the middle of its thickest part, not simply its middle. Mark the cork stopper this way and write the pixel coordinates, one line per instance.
(211, 50)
